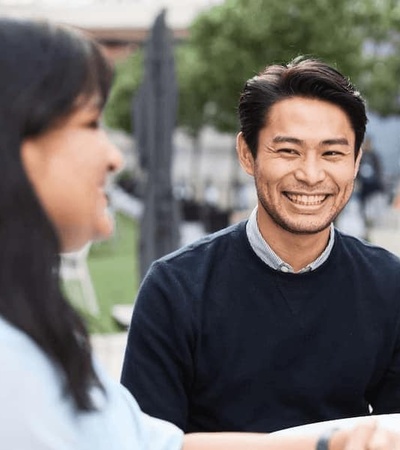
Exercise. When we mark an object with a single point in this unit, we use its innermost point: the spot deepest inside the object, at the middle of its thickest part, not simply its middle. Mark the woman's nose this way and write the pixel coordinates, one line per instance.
(116, 160)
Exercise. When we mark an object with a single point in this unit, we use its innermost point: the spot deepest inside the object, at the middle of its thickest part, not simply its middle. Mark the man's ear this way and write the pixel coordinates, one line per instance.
(244, 154)
(358, 161)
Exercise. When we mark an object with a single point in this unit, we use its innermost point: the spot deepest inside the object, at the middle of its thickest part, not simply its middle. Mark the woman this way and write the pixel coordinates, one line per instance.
(54, 163)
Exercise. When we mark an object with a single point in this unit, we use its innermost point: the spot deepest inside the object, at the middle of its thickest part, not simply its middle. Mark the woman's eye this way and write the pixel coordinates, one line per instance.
(94, 124)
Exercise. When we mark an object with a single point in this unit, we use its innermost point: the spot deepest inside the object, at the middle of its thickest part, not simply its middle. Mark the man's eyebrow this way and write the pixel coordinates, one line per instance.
(338, 141)
(293, 140)
(289, 139)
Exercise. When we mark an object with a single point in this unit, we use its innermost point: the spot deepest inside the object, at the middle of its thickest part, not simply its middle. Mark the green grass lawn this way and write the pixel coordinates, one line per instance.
(114, 270)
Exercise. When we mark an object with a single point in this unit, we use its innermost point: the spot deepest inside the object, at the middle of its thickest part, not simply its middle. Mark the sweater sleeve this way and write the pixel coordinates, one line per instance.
(158, 364)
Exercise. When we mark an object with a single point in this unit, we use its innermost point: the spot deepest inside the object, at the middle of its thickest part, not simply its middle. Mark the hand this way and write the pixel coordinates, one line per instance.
(368, 435)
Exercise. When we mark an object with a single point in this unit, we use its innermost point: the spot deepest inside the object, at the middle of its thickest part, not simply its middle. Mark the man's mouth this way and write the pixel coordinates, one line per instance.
(306, 199)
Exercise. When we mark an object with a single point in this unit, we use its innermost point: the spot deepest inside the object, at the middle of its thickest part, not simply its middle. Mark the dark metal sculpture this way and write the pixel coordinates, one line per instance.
(154, 114)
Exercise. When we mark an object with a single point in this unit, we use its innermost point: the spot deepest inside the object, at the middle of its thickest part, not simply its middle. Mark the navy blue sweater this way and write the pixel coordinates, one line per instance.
(221, 342)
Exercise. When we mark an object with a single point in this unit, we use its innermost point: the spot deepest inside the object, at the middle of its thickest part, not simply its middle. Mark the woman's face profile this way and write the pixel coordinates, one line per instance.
(68, 166)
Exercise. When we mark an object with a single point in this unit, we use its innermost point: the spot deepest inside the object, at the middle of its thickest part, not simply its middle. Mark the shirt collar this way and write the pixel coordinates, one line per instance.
(266, 254)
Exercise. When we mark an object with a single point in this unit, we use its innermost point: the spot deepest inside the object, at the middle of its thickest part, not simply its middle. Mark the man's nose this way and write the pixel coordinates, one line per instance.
(310, 171)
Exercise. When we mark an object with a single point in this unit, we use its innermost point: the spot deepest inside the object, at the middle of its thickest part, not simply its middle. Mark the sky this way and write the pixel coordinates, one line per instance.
(107, 13)
(93, 2)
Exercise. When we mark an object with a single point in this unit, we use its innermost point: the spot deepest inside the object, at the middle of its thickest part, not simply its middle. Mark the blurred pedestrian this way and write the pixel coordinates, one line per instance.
(370, 182)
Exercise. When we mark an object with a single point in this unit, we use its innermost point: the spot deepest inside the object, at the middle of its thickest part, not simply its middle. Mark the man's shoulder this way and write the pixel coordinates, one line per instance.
(196, 262)
(363, 250)
(208, 245)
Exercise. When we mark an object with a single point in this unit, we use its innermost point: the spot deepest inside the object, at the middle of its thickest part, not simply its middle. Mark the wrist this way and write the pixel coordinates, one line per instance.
(338, 439)
(326, 440)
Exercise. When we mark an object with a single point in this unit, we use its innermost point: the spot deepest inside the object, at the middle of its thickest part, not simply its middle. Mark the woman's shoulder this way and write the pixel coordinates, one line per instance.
(17, 349)
(33, 410)
(36, 413)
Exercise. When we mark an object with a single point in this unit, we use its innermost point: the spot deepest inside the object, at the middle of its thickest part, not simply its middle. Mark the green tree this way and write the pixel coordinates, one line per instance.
(233, 41)
(192, 90)
(193, 98)
(193, 95)
(239, 37)
(379, 82)
(127, 78)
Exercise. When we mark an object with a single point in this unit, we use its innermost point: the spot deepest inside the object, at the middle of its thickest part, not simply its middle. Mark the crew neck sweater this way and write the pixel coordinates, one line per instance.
(219, 341)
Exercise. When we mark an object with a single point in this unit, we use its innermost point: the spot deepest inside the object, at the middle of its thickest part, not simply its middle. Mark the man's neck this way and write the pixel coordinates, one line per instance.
(298, 250)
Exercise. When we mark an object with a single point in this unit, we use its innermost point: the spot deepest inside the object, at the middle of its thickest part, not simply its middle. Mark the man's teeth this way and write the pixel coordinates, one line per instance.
(302, 199)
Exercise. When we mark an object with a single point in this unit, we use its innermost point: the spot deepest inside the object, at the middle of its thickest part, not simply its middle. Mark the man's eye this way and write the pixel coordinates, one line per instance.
(287, 151)
(333, 153)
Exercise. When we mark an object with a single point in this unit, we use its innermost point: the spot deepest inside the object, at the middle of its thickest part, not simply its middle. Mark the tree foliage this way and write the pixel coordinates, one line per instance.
(379, 82)
(233, 41)
(239, 37)
(193, 90)
(127, 78)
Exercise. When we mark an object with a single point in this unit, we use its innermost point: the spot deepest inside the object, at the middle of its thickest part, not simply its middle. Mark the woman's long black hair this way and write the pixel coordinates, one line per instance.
(44, 71)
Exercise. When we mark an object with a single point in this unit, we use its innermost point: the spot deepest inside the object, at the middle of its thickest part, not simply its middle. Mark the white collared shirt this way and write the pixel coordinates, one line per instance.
(266, 254)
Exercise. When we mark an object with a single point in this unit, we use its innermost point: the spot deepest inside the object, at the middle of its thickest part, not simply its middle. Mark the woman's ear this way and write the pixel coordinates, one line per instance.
(28, 155)
(244, 154)
(32, 159)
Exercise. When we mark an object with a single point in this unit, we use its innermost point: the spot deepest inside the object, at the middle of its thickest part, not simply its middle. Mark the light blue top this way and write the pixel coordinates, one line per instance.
(34, 414)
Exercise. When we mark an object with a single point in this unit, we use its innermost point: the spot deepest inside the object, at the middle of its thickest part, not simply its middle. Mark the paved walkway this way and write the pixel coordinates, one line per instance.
(109, 349)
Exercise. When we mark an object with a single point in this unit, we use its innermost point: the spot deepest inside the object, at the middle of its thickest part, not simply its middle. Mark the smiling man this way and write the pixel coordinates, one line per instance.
(279, 320)
(304, 168)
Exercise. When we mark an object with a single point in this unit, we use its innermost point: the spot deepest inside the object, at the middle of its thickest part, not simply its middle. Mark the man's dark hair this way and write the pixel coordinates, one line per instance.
(302, 77)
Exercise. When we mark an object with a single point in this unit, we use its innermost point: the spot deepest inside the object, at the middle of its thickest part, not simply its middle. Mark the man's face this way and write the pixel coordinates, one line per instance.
(305, 166)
